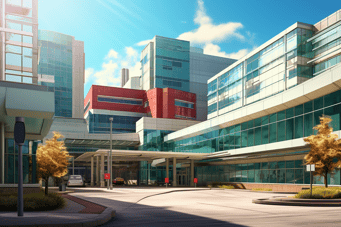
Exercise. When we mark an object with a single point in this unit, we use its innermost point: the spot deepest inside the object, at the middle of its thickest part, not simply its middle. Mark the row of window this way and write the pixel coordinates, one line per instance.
(291, 123)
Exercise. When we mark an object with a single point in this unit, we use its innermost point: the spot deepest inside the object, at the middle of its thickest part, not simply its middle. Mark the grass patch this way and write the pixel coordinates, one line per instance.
(262, 189)
(32, 202)
(320, 192)
(226, 186)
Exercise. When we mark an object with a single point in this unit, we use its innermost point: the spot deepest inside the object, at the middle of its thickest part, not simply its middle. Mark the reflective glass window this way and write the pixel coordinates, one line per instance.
(265, 134)
(258, 136)
(289, 129)
(273, 133)
(308, 124)
(290, 113)
(281, 131)
(308, 107)
(250, 137)
(298, 127)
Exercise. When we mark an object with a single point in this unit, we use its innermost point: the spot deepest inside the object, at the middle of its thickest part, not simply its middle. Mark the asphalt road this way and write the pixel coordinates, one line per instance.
(175, 207)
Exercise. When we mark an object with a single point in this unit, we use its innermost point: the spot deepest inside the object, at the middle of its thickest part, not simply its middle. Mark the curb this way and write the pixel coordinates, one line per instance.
(106, 216)
(298, 202)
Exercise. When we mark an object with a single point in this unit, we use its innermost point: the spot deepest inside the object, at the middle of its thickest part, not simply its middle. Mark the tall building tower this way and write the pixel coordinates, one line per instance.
(20, 94)
(173, 63)
(124, 76)
(61, 67)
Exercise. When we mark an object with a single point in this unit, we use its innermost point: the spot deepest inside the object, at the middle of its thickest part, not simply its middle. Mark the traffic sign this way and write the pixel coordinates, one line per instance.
(195, 180)
(107, 176)
(167, 180)
(311, 167)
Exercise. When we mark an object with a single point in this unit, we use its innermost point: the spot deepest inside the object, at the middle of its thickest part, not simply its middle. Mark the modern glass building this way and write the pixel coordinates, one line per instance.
(262, 106)
(61, 68)
(20, 94)
(173, 63)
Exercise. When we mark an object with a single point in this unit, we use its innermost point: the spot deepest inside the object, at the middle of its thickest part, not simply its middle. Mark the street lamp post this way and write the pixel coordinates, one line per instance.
(110, 154)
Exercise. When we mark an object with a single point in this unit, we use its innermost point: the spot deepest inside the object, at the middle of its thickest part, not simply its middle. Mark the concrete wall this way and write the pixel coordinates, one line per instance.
(78, 64)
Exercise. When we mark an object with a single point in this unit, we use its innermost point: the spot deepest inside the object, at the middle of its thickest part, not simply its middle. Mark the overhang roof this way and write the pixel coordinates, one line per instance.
(135, 155)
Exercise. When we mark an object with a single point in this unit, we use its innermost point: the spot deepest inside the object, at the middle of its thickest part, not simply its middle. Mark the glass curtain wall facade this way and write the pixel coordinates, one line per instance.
(279, 66)
(55, 68)
(283, 172)
(296, 122)
(29, 162)
(19, 48)
(99, 123)
(165, 63)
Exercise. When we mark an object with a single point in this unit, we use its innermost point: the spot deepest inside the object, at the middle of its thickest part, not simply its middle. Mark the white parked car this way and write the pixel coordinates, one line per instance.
(76, 180)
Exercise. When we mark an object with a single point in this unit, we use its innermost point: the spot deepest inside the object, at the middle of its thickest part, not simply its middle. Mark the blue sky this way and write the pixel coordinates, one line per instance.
(116, 31)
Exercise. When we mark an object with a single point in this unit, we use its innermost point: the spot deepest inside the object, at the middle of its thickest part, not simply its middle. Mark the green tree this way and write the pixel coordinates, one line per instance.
(325, 149)
(52, 159)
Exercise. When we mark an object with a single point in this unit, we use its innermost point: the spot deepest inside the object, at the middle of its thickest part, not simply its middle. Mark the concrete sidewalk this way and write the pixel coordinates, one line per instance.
(77, 212)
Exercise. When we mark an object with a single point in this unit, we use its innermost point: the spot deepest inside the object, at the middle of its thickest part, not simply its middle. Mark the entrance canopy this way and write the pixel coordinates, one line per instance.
(135, 155)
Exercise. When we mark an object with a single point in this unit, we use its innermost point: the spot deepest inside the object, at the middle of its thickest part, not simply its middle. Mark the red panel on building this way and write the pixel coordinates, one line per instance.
(161, 102)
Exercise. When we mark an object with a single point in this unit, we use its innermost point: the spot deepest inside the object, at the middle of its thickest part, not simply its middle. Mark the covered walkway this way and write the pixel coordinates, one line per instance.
(154, 157)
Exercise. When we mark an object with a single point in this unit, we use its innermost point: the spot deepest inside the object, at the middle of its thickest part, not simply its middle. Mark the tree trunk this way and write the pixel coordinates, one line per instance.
(326, 180)
(46, 185)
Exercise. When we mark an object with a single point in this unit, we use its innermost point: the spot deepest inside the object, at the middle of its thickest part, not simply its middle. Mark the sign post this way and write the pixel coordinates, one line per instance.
(195, 181)
(311, 168)
(19, 138)
(166, 181)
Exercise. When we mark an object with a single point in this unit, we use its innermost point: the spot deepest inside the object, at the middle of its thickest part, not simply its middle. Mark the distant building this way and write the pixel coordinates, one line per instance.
(133, 83)
(172, 63)
(124, 76)
(61, 68)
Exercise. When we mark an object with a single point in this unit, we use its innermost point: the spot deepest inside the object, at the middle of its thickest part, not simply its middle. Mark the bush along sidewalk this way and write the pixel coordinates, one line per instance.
(32, 202)
(320, 193)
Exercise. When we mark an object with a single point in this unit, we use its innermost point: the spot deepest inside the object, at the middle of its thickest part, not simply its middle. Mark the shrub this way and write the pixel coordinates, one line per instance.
(32, 202)
(216, 184)
(261, 189)
(226, 186)
(320, 193)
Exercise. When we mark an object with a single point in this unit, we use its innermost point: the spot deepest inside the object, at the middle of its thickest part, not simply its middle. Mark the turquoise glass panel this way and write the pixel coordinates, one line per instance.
(281, 176)
(290, 164)
(258, 122)
(250, 124)
(308, 124)
(265, 165)
(298, 176)
(265, 120)
(273, 118)
(237, 128)
(308, 107)
(273, 176)
(298, 110)
(265, 134)
(273, 133)
(237, 140)
(289, 129)
(332, 98)
(250, 137)
(281, 165)
(318, 103)
(265, 176)
(258, 176)
(289, 113)
(244, 138)
(258, 136)
(250, 176)
(281, 131)
(244, 126)
(281, 115)
(299, 164)
(298, 127)
(290, 176)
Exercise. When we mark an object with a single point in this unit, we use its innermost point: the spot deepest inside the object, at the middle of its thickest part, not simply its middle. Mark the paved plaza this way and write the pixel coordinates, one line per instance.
(143, 206)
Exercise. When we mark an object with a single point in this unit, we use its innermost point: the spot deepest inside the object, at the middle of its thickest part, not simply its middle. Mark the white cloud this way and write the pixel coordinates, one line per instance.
(112, 54)
(110, 73)
(207, 32)
(144, 42)
(213, 49)
(88, 73)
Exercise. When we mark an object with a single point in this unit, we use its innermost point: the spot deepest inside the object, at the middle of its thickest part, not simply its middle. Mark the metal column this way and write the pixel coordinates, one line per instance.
(192, 173)
(2, 142)
(73, 165)
(102, 172)
(167, 168)
(92, 171)
(97, 170)
(174, 172)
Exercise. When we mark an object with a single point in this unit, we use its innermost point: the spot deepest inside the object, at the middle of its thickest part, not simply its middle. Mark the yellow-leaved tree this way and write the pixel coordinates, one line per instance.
(325, 149)
(52, 159)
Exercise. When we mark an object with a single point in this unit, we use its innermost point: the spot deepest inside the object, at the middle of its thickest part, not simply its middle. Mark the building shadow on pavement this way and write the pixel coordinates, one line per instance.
(134, 214)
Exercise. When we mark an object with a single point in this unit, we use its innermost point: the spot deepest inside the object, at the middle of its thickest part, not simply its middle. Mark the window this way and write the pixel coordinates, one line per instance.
(184, 104)
(120, 100)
